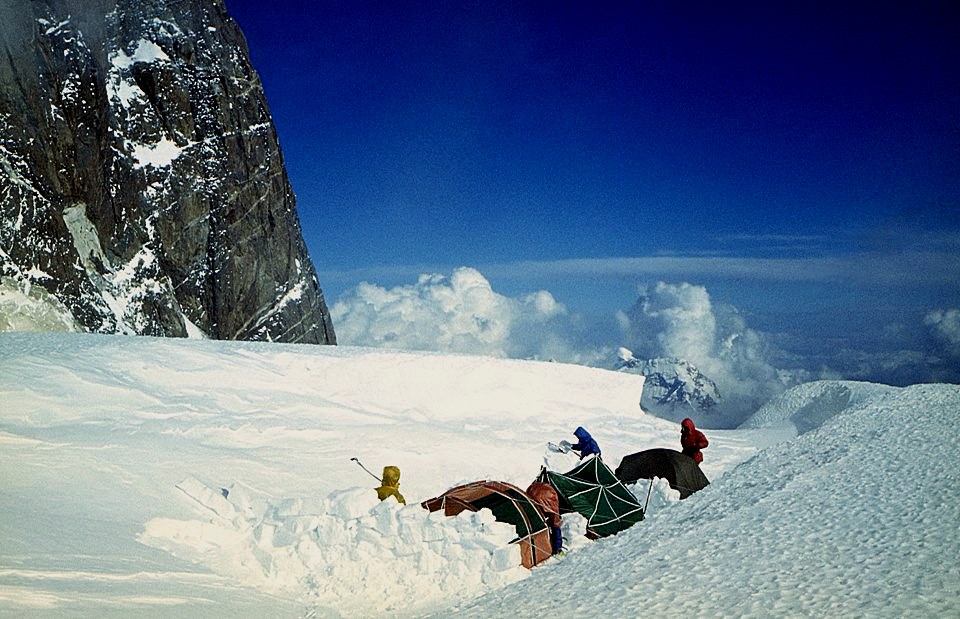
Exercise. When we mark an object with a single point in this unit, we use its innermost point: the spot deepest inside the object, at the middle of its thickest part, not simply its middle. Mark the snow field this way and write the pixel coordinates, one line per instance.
(112, 428)
(115, 452)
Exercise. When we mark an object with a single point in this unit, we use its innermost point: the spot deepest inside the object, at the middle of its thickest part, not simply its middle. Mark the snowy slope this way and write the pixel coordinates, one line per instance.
(856, 518)
(808, 406)
(116, 451)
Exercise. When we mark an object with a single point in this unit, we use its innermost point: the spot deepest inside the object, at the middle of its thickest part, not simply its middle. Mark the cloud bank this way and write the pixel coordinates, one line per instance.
(680, 320)
(460, 313)
(945, 326)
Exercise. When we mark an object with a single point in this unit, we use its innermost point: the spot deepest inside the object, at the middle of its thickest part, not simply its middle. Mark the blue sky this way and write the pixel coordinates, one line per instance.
(800, 163)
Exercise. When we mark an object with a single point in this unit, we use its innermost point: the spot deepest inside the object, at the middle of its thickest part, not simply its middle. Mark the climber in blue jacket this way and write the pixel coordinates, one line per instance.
(585, 445)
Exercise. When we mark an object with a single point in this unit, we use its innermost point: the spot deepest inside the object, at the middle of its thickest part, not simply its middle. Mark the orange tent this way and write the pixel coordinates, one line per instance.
(508, 504)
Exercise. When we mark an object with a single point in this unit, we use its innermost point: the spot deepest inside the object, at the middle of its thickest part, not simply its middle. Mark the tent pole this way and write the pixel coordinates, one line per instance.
(648, 496)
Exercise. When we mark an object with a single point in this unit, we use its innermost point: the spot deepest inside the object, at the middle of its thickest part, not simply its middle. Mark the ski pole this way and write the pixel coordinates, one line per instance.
(360, 464)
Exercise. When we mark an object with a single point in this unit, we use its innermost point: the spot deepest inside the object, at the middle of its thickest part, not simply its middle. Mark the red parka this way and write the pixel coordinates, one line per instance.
(692, 440)
(548, 501)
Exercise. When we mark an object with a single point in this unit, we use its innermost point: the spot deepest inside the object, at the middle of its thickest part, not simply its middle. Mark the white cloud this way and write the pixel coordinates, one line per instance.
(462, 313)
(679, 316)
(459, 313)
(679, 320)
(945, 325)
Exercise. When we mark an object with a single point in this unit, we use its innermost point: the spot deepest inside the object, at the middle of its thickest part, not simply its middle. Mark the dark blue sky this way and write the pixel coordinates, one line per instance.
(430, 135)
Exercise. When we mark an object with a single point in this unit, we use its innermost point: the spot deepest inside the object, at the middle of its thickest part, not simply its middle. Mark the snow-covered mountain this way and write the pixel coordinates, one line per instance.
(673, 389)
(142, 187)
(188, 478)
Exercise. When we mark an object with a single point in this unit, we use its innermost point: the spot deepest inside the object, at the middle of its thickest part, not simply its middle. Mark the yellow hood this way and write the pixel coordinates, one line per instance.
(391, 476)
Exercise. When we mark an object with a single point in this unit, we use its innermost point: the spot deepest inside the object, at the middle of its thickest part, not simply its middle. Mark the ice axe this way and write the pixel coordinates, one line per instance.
(360, 464)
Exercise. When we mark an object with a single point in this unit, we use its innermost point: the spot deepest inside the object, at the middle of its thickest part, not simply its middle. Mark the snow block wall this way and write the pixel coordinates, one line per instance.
(335, 551)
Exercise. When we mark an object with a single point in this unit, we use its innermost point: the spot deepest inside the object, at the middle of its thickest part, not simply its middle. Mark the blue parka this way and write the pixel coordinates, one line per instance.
(585, 444)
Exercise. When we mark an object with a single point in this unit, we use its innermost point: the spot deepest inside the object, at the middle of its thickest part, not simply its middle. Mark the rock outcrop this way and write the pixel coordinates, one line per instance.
(673, 388)
(142, 187)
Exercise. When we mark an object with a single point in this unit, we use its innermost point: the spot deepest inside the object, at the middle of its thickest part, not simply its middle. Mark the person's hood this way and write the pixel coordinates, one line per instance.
(391, 476)
(687, 424)
(582, 434)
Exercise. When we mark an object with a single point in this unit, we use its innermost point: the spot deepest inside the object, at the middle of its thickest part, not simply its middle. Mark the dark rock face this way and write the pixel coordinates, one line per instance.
(142, 187)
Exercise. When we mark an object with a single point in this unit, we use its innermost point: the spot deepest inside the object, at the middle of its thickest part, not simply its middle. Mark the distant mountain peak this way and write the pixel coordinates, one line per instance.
(674, 388)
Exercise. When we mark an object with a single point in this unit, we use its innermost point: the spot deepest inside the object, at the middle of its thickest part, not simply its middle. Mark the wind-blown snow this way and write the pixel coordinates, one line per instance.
(191, 477)
(809, 406)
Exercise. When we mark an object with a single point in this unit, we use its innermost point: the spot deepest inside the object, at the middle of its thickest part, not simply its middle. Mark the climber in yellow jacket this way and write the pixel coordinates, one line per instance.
(390, 484)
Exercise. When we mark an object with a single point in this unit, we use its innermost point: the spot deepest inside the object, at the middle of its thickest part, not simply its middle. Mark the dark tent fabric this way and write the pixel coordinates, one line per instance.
(593, 491)
(508, 504)
(680, 470)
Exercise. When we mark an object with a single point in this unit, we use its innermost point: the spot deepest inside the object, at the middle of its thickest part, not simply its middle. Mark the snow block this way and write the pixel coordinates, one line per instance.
(505, 558)
(208, 498)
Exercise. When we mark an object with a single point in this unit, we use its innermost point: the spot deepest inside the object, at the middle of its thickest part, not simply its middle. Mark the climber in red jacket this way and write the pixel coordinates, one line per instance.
(545, 498)
(692, 440)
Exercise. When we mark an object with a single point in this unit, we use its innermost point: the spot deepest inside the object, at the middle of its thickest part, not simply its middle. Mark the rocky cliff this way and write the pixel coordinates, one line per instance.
(142, 187)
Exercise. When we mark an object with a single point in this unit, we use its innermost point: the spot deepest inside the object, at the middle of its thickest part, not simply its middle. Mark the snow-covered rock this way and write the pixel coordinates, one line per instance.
(673, 388)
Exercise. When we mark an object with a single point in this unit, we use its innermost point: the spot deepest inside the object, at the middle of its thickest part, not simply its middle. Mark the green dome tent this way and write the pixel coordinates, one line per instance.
(593, 491)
